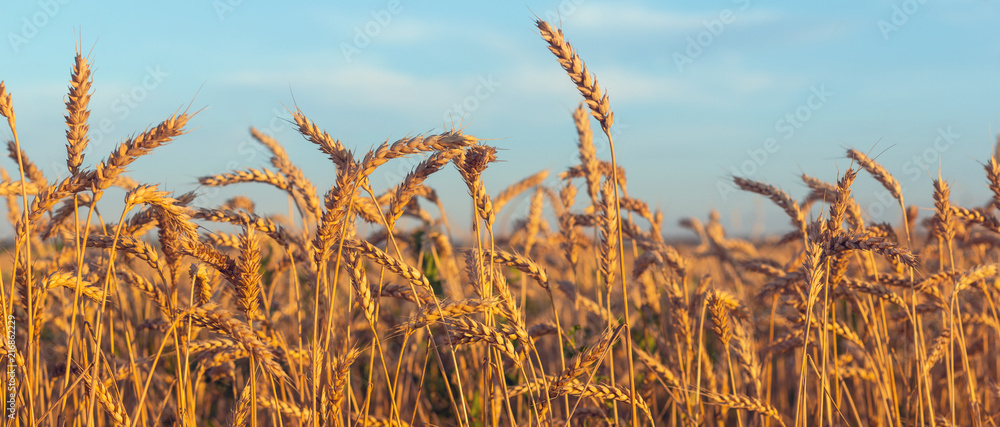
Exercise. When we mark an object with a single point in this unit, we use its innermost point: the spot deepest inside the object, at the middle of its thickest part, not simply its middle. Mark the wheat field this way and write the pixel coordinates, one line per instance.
(168, 313)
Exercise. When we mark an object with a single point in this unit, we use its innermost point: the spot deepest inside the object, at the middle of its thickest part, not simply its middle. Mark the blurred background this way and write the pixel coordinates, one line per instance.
(700, 91)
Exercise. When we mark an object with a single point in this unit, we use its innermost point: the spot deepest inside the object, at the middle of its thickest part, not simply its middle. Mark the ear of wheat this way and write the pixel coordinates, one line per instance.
(355, 308)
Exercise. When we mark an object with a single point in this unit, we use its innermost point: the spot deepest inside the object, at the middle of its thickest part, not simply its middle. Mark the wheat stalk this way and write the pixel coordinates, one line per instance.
(876, 170)
(77, 113)
(111, 403)
(585, 82)
(515, 189)
(740, 401)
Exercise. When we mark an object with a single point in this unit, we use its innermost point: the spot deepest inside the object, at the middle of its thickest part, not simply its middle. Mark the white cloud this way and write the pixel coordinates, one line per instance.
(393, 91)
(605, 17)
(617, 18)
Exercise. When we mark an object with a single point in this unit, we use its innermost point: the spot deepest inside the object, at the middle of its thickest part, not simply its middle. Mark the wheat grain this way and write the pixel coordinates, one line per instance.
(746, 402)
(210, 316)
(513, 190)
(77, 113)
(127, 152)
(876, 170)
(578, 73)
(406, 271)
(451, 309)
(303, 189)
(331, 147)
(464, 330)
(248, 274)
(604, 392)
(110, 402)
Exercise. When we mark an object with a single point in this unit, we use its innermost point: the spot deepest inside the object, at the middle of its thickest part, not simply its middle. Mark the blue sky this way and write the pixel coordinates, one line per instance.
(700, 90)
